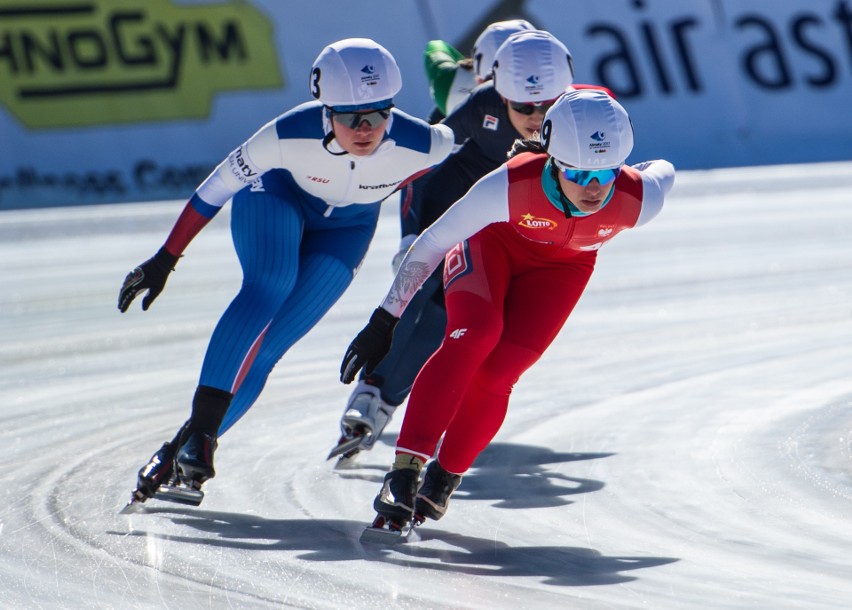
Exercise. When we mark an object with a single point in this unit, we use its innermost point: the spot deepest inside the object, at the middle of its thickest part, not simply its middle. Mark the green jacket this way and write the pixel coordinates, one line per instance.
(447, 81)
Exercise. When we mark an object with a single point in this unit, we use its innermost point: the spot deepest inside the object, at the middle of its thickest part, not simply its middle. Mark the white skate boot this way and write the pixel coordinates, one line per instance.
(363, 421)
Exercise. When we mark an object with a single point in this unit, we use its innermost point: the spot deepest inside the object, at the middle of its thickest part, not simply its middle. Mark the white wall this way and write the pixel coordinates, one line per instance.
(708, 83)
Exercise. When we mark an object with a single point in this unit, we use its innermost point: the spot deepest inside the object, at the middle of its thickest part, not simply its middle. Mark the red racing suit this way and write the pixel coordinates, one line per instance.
(509, 290)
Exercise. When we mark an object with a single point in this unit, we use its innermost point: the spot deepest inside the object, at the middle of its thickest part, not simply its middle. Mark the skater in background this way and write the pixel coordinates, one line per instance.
(486, 125)
(520, 248)
(452, 76)
(306, 194)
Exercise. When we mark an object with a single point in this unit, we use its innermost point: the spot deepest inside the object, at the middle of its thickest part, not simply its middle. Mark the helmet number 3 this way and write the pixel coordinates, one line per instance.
(315, 78)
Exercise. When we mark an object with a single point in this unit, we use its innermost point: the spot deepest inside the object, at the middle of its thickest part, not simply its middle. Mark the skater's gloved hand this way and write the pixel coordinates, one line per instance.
(151, 276)
(370, 346)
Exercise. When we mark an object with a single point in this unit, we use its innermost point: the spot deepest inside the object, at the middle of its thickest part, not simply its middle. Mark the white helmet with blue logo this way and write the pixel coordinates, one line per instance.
(587, 129)
(355, 72)
(486, 45)
(532, 66)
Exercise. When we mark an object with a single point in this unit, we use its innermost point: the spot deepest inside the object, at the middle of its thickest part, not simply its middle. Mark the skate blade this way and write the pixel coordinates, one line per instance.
(132, 507)
(382, 534)
(347, 461)
(346, 445)
(180, 495)
(135, 504)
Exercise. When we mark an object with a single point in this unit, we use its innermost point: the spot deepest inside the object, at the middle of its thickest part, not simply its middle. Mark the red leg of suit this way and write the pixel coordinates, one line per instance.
(501, 316)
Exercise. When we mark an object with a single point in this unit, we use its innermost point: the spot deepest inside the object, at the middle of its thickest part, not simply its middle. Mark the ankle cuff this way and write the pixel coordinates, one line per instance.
(406, 460)
(209, 406)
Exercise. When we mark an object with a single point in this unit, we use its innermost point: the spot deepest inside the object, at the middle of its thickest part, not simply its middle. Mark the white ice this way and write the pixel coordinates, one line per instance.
(685, 443)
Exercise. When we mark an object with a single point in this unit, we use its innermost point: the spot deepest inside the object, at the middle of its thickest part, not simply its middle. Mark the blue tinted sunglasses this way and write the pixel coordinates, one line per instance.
(584, 176)
(353, 120)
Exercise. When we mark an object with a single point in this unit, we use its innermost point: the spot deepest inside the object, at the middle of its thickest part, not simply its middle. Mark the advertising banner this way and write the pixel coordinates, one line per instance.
(135, 100)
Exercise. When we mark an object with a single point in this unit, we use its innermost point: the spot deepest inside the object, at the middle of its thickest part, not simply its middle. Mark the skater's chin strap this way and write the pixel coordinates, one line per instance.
(566, 206)
(327, 140)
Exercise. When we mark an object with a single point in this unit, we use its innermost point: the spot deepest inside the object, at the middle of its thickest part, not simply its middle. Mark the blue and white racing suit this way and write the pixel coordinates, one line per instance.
(304, 213)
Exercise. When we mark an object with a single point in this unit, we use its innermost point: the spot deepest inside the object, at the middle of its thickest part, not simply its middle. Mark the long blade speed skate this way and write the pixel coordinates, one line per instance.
(349, 446)
(173, 491)
(159, 479)
(390, 531)
(137, 498)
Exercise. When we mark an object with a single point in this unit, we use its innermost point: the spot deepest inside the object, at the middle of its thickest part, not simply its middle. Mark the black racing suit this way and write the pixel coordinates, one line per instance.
(483, 130)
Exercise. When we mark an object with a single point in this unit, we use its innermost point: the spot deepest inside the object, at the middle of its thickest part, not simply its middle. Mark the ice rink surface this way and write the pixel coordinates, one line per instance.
(685, 443)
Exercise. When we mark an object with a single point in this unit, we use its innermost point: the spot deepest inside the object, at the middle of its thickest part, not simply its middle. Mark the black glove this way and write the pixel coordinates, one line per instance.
(151, 276)
(370, 346)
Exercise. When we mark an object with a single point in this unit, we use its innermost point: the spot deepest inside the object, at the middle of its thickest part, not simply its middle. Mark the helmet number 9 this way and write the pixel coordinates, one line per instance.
(315, 78)
(546, 128)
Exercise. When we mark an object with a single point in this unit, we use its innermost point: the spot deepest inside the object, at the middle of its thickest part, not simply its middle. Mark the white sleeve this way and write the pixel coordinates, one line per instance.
(263, 149)
(250, 161)
(657, 180)
(485, 203)
(442, 144)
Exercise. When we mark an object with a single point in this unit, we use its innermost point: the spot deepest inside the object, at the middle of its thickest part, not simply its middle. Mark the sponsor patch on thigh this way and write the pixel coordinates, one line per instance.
(457, 263)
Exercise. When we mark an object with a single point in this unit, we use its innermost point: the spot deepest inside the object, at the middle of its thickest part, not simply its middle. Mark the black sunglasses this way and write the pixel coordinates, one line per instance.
(353, 120)
(527, 108)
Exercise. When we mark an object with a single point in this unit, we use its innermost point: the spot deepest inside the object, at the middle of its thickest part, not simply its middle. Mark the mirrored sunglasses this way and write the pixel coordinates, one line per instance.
(584, 176)
(527, 108)
(353, 120)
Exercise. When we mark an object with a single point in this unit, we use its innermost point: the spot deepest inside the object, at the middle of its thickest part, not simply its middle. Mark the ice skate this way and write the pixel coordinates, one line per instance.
(157, 472)
(395, 508)
(395, 501)
(434, 495)
(395, 504)
(194, 460)
(387, 531)
(362, 423)
(193, 466)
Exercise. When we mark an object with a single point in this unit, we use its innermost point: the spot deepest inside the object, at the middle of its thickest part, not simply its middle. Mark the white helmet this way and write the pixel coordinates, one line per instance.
(490, 40)
(355, 72)
(532, 66)
(587, 129)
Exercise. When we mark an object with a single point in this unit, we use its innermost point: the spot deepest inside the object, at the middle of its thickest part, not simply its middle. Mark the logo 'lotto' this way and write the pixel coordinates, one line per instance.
(532, 222)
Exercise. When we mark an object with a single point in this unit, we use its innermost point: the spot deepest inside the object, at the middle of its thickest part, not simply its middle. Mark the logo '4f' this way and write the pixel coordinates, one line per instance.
(458, 333)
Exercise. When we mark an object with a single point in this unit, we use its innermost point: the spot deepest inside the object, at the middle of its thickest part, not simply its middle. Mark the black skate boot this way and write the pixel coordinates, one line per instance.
(194, 460)
(434, 495)
(395, 501)
(157, 471)
(158, 474)
(160, 469)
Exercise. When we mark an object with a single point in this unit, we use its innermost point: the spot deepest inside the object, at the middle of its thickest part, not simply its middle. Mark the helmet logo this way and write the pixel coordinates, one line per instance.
(370, 77)
(533, 85)
(601, 145)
